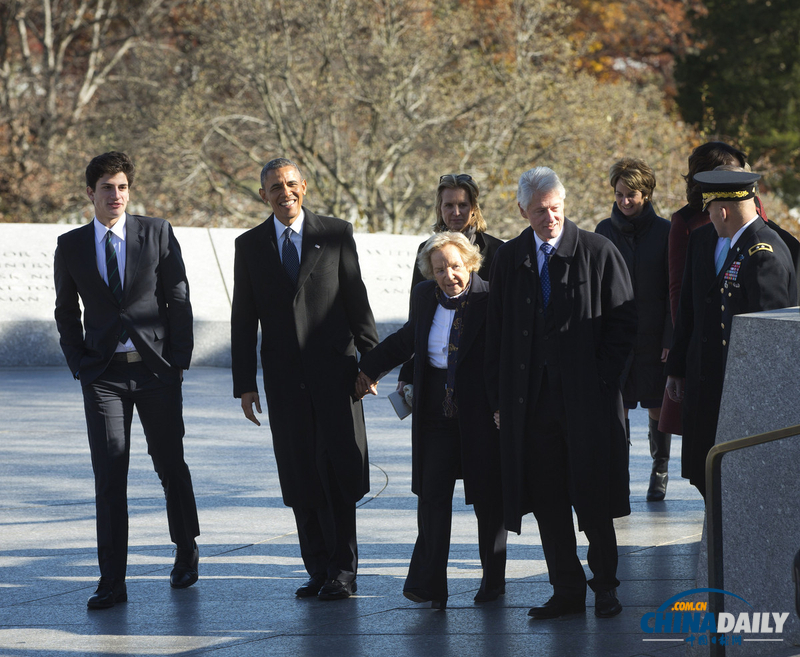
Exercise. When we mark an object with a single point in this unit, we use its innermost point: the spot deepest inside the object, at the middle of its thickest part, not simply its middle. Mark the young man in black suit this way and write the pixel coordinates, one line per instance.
(128, 349)
(297, 276)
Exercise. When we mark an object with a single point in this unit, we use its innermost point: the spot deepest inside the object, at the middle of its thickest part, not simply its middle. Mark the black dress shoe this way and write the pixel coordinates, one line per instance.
(107, 594)
(556, 607)
(336, 589)
(184, 573)
(606, 604)
(418, 595)
(310, 588)
(489, 595)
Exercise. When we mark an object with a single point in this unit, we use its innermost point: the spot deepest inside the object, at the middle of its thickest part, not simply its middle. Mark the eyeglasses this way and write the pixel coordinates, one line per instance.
(458, 177)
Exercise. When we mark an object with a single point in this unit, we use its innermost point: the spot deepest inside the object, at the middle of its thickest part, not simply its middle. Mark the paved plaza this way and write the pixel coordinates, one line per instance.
(244, 602)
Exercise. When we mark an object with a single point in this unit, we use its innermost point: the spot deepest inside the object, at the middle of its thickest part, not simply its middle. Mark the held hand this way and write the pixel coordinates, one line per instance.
(664, 354)
(400, 386)
(675, 388)
(497, 419)
(365, 385)
(248, 399)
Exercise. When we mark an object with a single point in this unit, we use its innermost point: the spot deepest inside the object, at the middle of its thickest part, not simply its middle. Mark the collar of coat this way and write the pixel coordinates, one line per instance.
(525, 251)
(635, 226)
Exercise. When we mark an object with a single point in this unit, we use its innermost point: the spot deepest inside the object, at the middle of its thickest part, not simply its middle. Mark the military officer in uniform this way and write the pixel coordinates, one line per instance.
(734, 265)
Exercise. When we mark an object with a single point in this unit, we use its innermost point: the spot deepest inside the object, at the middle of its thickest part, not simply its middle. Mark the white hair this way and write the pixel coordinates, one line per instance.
(539, 180)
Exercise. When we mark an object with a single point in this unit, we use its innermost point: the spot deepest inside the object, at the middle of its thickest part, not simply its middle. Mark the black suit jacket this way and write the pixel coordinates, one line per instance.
(309, 336)
(480, 448)
(155, 309)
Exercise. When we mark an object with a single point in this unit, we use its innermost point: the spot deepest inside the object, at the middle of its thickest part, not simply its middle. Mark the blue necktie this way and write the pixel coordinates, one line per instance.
(720, 261)
(291, 261)
(114, 280)
(544, 275)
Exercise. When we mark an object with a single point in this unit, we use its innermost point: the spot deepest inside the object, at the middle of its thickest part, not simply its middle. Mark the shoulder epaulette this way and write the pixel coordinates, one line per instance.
(761, 246)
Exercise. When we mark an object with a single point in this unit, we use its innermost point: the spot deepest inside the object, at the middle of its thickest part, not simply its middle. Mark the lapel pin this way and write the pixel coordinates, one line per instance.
(316, 246)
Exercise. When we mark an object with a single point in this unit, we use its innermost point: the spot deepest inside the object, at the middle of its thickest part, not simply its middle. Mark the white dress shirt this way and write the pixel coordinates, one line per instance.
(540, 254)
(296, 235)
(439, 336)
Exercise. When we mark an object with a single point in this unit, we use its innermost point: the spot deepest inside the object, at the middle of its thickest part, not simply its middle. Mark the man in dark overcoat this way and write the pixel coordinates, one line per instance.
(297, 275)
(559, 330)
(128, 345)
(736, 264)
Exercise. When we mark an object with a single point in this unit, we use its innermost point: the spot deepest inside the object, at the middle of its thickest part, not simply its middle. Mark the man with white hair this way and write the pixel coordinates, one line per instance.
(560, 325)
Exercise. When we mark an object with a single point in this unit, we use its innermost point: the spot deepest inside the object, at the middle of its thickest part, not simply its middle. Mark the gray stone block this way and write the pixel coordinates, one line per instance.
(760, 485)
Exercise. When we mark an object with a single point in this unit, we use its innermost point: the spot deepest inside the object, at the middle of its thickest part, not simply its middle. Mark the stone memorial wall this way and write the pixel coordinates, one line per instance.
(28, 335)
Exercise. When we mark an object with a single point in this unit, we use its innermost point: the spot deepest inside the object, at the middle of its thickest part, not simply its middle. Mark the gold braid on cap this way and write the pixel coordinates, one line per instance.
(713, 196)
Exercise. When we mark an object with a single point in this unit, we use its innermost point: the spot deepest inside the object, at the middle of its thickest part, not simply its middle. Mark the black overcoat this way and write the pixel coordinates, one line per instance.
(643, 242)
(480, 448)
(751, 279)
(596, 323)
(309, 336)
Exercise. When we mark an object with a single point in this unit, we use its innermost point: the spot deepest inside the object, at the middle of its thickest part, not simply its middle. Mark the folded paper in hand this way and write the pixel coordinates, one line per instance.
(399, 404)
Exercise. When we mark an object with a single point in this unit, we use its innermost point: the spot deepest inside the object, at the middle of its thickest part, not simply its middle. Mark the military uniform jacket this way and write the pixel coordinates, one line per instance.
(758, 274)
(309, 336)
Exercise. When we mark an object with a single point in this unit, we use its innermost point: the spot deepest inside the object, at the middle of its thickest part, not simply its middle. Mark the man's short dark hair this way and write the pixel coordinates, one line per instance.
(109, 164)
(278, 163)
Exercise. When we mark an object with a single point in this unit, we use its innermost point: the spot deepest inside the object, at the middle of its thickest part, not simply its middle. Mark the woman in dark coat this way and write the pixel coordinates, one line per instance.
(453, 434)
(642, 238)
(458, 210)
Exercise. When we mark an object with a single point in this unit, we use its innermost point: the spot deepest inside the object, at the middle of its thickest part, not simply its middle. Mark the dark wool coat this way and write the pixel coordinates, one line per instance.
(488, 245)
(643, 243)
(752, 279)
(309, 336)
(595, 318)
(480, 447)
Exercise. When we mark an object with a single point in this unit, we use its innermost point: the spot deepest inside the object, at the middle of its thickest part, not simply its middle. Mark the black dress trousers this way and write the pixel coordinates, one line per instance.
(109, 402)
(440, 441)
(550, 494)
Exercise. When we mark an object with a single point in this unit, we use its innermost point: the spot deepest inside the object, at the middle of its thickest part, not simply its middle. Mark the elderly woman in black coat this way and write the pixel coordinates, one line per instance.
(453, 434)
(642, 238)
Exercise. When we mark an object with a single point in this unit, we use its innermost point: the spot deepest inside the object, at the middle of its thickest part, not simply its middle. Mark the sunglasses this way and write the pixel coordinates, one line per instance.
(458, 177)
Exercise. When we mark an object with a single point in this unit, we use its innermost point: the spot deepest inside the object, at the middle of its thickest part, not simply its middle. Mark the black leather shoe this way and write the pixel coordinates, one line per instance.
(336, 589)
(606, 604)
(418, 595)
(310, 588)
(556, 607)
(184, 573)
(489, 595)
(107, 594)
